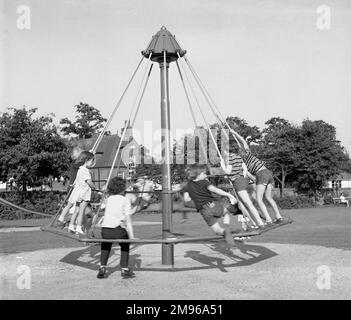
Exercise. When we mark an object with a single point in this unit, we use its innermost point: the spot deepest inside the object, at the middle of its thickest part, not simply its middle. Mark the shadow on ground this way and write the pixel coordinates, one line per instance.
(89, 258)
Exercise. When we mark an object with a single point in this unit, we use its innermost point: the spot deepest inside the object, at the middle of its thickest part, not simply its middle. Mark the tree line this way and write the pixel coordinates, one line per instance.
(33, 148)
(304, 156)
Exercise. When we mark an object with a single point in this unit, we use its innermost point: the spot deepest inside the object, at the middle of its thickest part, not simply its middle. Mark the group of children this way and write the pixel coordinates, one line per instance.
(242, 167)
(120, 205)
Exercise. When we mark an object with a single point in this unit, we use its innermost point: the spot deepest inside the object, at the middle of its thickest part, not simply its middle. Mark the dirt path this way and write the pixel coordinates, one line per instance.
(211, 271)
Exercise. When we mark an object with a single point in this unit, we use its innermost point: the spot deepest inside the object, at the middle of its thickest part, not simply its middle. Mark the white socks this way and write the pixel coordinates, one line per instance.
(79, 229)
(226, 219)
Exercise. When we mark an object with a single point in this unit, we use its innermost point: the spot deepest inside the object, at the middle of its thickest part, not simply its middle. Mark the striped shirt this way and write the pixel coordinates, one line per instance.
(253, 164)
(237, 166)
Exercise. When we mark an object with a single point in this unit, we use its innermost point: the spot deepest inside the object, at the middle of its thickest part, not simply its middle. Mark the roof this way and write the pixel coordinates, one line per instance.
(344, 176)
(106, 150)
(163, 41)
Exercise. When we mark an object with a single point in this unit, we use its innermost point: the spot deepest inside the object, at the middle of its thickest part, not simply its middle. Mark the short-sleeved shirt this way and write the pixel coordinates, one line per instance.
(81, 190)
(199, 193)
(253, 164)
(116, 210)
(83, 175)
(237, 166)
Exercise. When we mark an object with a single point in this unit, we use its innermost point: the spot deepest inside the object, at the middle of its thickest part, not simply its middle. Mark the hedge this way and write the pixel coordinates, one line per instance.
(41, 201)
(295, 202)
(49, 202)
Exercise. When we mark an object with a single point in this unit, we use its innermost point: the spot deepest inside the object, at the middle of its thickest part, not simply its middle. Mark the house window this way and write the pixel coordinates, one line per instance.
(336, 184)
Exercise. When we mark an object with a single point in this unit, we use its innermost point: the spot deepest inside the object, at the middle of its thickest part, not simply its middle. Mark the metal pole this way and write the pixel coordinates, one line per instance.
(167, 249)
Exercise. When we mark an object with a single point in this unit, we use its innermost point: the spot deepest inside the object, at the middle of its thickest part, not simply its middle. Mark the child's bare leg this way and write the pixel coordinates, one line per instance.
(217, 229)
(261, 188)
(226, 217)
(82, 207)
(245, 198)
(65, 211)
(223, 232)
(246, 214)
(268, 195)
(73, 218)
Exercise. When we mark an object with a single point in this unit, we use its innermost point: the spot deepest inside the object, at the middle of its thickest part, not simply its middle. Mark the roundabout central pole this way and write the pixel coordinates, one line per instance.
(167, 204)
(164, 49)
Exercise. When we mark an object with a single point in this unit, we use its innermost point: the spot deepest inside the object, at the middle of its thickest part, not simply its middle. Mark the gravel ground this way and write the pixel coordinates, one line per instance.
(201, 271)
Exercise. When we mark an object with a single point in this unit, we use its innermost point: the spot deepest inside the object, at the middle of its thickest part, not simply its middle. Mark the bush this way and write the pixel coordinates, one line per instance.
(295, 202)
(328, 199)
(41, 201)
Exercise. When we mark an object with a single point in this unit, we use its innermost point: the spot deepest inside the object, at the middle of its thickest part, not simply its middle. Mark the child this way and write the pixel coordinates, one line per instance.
(140, 200)
(81, 193)
(258, 172)
(116, 224)
(238, 171)
(71, 207)
(199, 189)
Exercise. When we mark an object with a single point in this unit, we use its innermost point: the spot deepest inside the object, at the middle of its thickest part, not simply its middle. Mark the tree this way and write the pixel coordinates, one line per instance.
(320, 155)
(30, 148)
(88, 122)
(277, 148)
(251, 133)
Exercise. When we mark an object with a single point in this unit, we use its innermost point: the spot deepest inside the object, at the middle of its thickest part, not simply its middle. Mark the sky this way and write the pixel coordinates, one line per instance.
(258, 59)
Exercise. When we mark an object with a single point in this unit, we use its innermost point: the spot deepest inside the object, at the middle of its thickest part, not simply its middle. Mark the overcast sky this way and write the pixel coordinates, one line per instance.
(258, 59)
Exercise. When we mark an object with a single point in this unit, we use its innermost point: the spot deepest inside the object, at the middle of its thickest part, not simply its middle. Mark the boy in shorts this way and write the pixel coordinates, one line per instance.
(210, 208)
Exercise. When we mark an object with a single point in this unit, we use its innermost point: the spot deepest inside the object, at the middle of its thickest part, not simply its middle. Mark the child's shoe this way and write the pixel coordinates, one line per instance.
(79, 230)
(102, 272)
(127, 273)
(61, 224)
(72, 228)
(278, 220)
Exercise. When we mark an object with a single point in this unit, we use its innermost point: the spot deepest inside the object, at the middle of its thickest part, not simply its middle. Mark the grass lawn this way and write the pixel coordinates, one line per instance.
(328, 227)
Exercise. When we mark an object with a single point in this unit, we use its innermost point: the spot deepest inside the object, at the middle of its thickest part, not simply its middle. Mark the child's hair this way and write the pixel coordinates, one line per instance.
(76, 151)
(84, 157)
(192, 171)
(116, 185)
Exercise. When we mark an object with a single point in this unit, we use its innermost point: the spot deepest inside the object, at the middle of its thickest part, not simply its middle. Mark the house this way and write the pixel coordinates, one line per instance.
(341, 181)
(105, 155)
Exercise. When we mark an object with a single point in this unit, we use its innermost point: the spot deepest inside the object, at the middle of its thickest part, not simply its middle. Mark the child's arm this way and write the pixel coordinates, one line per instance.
(90, 184)
(251, 176)
(129, 224)
(226, 168)
(186, 197)
(179, 187)
(245, 171)
(241, 139)
(222, 193)
(129, 227)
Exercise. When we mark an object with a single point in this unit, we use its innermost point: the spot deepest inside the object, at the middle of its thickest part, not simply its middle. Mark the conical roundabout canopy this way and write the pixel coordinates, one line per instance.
(163, 41)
